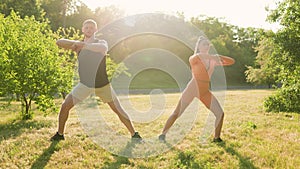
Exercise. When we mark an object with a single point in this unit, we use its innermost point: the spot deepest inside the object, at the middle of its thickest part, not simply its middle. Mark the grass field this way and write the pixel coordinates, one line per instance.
(253, 138)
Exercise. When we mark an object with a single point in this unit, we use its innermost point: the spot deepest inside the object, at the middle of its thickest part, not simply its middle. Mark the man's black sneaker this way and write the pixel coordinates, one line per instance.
(162, 138)
(136, 137)
(217, 140)
(57, 137)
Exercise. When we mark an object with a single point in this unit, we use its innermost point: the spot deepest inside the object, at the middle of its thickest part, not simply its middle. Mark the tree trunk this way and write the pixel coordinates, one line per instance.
(26, 115)
(64, 95)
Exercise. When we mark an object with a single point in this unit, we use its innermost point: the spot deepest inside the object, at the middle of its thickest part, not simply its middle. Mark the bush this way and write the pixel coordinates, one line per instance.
(286, 99)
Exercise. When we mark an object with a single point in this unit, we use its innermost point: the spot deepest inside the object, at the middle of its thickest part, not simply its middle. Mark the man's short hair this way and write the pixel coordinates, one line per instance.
(90, 21)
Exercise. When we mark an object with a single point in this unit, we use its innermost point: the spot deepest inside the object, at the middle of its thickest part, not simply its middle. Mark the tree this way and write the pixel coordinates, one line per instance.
(79, 14)
(30, 65)
(105, 15)
(102, 15)
(66, 13)
(58, 12)
(54, 11)
(264, 71)
(23, 8)
(287, 43)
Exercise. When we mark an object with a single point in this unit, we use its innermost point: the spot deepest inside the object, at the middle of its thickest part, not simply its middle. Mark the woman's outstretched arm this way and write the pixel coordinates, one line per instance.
(226, 61)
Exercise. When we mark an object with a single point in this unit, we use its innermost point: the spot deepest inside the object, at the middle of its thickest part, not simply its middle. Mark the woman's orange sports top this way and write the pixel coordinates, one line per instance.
(202, 69)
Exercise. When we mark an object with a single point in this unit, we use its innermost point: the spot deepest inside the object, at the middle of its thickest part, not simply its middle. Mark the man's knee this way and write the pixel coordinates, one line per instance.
(116, 107)
(67, 105)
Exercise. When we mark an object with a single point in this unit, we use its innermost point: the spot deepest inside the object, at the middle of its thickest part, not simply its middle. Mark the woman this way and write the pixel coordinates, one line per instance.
(202, 65)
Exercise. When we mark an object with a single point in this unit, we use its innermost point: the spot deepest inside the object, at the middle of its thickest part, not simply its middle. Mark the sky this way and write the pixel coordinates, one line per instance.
(242, 13)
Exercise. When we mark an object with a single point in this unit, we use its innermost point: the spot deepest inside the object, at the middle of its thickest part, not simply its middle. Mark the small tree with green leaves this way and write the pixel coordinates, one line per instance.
(264, 71)
(30, 64)
(287, 44)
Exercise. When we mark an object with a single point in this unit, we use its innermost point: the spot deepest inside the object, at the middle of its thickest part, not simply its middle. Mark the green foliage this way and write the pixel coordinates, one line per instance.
(105, 15)
(60, 13)
(77, 16)
(186, 160)
(23, 8)
(56, 10)
(31, 68)
(251, 125)
(78, 12)
(264, 71)
(286, 99)
(287, 42)
(115, 69)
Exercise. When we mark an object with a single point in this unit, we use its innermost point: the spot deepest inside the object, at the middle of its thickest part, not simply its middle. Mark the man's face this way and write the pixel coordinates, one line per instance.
(89, 29)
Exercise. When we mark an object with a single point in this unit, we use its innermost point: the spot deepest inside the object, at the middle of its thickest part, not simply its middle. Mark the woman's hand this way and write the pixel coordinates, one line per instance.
(208, 56)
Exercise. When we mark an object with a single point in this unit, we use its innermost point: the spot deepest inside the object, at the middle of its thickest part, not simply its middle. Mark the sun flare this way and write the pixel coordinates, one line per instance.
(250, 13)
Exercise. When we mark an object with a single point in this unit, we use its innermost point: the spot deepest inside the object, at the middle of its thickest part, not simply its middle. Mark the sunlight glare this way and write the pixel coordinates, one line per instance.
(247, 13)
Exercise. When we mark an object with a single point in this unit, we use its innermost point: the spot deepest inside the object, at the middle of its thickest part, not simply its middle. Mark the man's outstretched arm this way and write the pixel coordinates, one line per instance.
(96, 47)
(66, 43)
(78, 45)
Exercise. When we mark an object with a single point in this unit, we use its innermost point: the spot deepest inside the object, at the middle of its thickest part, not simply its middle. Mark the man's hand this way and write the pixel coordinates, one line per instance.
(77, 46)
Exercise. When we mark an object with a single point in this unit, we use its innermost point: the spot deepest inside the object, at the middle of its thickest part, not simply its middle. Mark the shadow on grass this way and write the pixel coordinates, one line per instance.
(42, 161)
(121, 158)
(244, 162)
(187, 160)
(128, 152)
(17, 127)
(125, 154)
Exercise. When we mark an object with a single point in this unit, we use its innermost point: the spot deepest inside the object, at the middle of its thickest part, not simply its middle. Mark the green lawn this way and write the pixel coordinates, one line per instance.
(253, 138)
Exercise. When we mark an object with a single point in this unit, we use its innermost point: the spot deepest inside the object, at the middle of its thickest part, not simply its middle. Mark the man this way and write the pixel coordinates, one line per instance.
(93, 78)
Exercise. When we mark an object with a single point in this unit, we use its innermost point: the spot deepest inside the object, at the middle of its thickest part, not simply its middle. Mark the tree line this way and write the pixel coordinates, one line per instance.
(33, 69)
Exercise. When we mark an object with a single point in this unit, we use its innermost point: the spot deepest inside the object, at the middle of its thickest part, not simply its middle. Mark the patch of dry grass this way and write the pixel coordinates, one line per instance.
(253, 138)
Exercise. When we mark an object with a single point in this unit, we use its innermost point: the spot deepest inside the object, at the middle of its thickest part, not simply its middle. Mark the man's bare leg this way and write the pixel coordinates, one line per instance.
(116, 107)
(66, 106)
